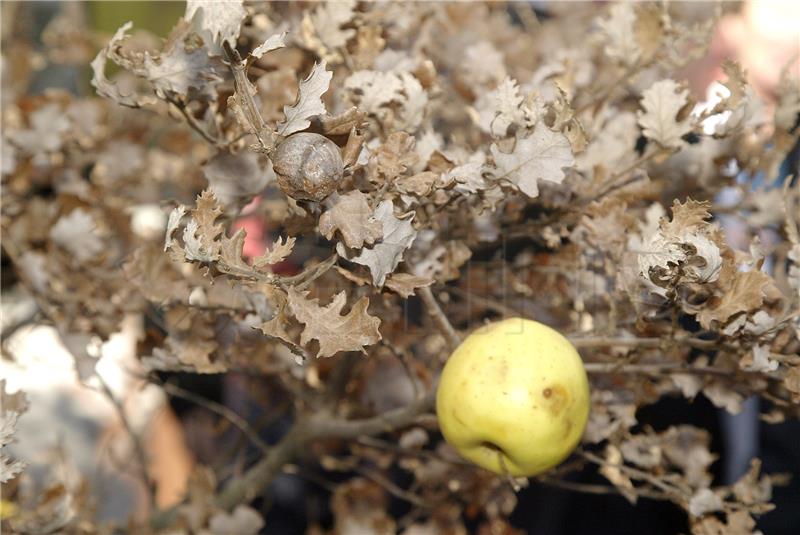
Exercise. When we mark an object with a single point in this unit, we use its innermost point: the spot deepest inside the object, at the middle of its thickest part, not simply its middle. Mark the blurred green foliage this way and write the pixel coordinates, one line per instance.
(157, 17)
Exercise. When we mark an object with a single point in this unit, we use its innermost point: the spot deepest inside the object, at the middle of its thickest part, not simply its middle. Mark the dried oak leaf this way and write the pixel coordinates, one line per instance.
(103, 85)
(231, 250)
(404, 284)
(500, 108)
(174, 70)
(322, 28)
(359, 507)
(277, 253)
(745, 293)
(619, 32)
(758, 360)
(333, 331)
(541, 156)
(611, 471)
(243, 520)
(309, 101)
(276, 327)
(662, 103)
(12, 406)
(273, 42)
(236, 178)
(77, 233)
(792, 383)
(419, 184)
(704, 501)
(222, 19)
(752, 489)
(395, 155)
(737, 523)
(352, 216)
(200, 234)
(374, 92)
(385, 255)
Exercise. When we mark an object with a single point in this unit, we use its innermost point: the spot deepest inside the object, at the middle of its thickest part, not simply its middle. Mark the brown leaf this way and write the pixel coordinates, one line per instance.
(686, 217)
(334, 332)
(612, 472)
(351, 215)
(745, 294)
(419, 184)
(662, 103)
(384, 256)
(277, 253)
(396, 154)
(750, 488)
(200, 233)
(737, 523)
(404, 284)
(231, 250)
(792, 383)
(276, 327)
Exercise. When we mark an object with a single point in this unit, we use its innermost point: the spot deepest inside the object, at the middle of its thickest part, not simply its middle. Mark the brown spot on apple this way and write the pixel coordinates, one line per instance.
(556, 397)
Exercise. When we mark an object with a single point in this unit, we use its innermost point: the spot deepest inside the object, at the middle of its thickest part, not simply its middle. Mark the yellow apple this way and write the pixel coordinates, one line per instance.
(514, 397)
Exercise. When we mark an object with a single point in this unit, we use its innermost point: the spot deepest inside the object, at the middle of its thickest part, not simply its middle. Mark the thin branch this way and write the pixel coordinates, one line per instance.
(589, 488)
(676, 492)
(612, 183)
(325, 427)
(647, 343)
(309, 275)
(138, 449)
(377, 443)
(657, 368)
(239, 422)
(438, 316)
(605, 92)
(194, 124)
(258, 478)
(391, 488)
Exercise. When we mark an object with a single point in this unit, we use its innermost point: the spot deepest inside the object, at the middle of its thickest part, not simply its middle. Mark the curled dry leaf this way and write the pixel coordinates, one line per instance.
(334, 332)
(404, 284)
(352, 216)
(662, 104)
(77, 233)
(11, 408)
(222, 19)
(542, 155)
(309, 102)
(383, 257)
(243, 520)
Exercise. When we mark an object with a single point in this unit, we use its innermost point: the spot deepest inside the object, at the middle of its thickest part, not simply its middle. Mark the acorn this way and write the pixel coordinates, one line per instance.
(308, 166)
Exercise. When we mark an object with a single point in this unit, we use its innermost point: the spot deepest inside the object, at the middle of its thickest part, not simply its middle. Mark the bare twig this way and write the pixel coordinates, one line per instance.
(674, 492)
(138, 449)
(321, 426)
(589, 488)
(648, 343)
(391, 488)
(438, 316)
(660, 368)
(193, 123)
(239, 422)
(243, 99)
